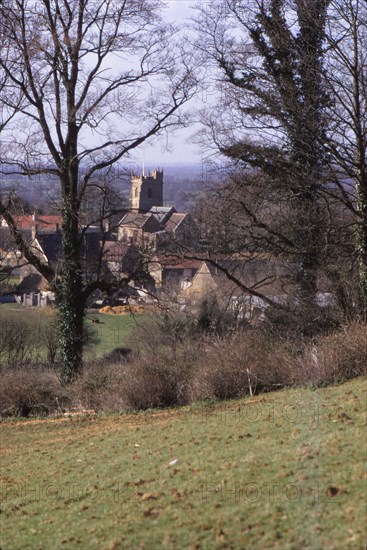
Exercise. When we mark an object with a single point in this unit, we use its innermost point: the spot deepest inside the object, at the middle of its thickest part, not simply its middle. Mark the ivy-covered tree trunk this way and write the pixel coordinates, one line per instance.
(70, 301)
(308, 136)
(307, 238)
(361, 245)
(71, 314)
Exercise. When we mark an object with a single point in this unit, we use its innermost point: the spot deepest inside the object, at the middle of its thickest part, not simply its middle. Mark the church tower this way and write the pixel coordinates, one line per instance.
(146, 191)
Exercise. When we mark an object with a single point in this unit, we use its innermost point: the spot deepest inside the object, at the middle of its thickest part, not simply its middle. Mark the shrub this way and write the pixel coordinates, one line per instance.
(212, 367)
(99, 388)
(163, 330)
(155, 381)
(118, 355)
(28, 335)
(30, 392)
(245, 363)
(300, 322)
(48, 333)
(339, 356)
(19, 338)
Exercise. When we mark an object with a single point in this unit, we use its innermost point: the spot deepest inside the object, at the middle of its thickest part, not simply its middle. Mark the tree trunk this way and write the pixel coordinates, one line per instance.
(359, 97)
(308, 241)
(71, 304)
(361, 245)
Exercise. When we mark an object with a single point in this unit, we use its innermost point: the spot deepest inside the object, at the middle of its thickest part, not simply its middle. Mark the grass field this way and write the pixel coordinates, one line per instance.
(110, 332)
(10, 307)
(284, 470)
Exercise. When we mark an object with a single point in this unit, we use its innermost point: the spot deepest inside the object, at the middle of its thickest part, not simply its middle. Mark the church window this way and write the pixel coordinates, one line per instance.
(149, 193)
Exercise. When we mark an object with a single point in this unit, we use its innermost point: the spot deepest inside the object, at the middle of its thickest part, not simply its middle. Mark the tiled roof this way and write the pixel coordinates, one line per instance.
(34, 282)
(162, 213)
(42, 222)
(144, 221)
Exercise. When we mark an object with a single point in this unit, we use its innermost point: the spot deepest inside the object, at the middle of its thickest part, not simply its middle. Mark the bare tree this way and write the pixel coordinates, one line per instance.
(346, 77)
(7, 112)
(97, 79)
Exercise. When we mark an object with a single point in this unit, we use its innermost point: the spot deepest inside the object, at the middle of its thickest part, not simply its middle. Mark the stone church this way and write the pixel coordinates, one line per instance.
(146, 191)
(148, 222)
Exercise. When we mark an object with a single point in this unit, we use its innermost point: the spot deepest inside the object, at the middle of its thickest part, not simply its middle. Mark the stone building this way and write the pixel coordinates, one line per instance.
(148, 223)
(146, 191)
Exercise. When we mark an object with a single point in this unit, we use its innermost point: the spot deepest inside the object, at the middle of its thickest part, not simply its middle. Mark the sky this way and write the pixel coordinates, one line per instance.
(179, 9)
(181, 148)
(177, 146)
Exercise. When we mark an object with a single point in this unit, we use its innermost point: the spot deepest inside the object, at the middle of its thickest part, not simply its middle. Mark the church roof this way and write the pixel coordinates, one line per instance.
(145, 221)
(163, 213)
(174, 221)
(158, 209)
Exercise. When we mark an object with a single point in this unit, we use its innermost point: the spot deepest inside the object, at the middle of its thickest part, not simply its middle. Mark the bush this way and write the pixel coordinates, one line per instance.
(19, 338)
(29, 335)
(31, 392)
(99, 387)
(245, 363)
(212, 367)
(164, 330)
(300, 322)
(32, 335)
(337, 357)
(156, 381)
(48, 333)
(146, 382)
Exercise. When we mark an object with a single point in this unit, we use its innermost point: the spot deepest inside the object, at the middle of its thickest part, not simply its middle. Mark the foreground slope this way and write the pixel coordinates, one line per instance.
(281, 470)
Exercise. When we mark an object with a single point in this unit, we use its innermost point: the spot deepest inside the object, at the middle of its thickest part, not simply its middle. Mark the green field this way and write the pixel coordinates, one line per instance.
(110, 332)
(10, 307)
(283, 470)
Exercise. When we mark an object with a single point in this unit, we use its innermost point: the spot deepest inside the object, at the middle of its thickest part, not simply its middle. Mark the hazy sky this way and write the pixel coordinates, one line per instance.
(177, 11)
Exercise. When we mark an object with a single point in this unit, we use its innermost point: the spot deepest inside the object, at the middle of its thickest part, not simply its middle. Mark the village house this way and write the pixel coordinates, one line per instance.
(32, 288)
(173, 274)
(35, 222)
